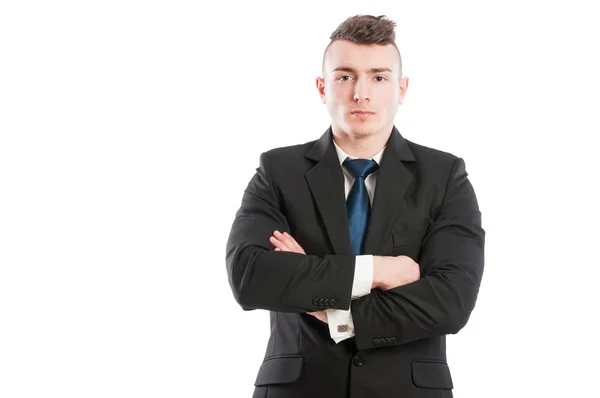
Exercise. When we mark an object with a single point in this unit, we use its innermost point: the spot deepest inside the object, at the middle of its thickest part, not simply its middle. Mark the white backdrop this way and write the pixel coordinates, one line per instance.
(130, 129)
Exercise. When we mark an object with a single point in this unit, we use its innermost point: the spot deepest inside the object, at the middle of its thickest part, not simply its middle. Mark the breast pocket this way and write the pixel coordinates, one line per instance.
(407, 239)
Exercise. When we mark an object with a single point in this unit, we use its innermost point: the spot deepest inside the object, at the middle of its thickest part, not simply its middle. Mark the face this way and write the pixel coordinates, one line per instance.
(361, 87)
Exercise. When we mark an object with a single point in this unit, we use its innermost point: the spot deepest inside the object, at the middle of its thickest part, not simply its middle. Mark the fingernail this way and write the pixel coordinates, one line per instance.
(277, 232)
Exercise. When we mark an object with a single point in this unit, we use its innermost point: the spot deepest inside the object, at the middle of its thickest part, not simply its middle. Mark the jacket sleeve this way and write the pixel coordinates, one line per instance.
(262, 278)
(451, 262)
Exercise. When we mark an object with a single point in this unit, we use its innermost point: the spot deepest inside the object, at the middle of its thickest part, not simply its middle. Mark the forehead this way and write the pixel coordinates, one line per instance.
(361, 56)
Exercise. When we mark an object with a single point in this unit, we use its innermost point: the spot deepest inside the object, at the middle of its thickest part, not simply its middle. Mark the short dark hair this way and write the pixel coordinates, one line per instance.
(365, 29)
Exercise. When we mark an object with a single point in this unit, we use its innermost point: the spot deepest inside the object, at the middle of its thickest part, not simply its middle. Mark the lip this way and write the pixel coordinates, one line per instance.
(362, 114)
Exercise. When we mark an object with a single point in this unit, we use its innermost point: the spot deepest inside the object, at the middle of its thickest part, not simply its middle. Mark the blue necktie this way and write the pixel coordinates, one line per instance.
(358, 204)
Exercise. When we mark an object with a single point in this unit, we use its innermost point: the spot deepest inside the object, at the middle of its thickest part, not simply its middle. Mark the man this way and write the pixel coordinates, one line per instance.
(366, 247)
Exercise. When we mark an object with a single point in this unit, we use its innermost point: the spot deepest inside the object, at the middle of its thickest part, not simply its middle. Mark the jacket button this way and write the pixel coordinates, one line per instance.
(358, 361)
(316, 302)
(321, 302)
(331, 302)
(326, 302)
(375, 341)
(392, 340)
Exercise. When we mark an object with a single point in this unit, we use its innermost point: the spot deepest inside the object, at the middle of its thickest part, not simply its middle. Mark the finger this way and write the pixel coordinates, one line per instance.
(321, 316)
(278, 244)
(283, 237)
(292, 244)
(274, 241)
(284, 240)
(290, 241)
(287, 242)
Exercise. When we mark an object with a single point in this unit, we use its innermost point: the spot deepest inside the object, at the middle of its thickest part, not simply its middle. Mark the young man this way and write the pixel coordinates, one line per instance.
(367, 248)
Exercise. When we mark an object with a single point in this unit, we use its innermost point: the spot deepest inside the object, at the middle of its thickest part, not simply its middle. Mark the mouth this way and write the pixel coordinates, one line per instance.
(362, 114)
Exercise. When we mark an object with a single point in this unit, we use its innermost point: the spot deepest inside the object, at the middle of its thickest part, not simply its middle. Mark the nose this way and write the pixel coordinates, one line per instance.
(361, 92)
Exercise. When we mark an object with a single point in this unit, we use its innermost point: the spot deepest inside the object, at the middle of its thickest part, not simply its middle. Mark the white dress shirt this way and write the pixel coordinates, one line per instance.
(341, 325)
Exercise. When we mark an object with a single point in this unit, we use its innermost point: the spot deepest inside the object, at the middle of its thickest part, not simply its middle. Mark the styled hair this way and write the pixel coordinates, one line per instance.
(366, 29)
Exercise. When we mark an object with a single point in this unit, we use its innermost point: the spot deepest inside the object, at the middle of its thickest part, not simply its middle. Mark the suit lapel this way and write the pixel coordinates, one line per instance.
(393, 179)
(326, 182)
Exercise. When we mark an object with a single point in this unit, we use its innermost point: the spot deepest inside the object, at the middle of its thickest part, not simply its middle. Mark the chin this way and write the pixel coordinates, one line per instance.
(362, 129)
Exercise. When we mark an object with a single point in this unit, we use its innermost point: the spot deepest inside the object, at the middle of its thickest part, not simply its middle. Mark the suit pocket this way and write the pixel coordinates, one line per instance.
(279, 370)
(411, 231)
(428, 374)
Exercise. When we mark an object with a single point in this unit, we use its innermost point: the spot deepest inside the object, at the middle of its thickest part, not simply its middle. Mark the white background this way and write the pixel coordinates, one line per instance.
(129, 131)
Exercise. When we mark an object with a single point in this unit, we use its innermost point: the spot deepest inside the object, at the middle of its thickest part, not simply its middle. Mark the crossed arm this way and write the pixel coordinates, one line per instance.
(439, 302)
(388, 272)
(285, 242)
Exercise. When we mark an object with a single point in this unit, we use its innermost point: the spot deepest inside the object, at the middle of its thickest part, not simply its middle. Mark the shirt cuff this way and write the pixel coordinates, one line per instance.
(341, 325)
(363, 276)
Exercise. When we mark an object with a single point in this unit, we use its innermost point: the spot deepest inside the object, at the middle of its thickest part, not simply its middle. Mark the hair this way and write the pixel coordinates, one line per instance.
(365, 29)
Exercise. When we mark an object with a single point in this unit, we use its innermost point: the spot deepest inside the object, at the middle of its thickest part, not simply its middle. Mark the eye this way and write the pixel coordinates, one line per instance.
(380, 77)
(342, 78)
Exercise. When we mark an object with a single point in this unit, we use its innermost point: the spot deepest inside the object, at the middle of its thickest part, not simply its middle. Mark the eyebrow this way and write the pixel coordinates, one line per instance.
(352, 70)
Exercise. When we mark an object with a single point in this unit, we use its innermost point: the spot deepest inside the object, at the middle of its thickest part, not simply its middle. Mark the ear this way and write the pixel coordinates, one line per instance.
(320, 83)
(403, 84)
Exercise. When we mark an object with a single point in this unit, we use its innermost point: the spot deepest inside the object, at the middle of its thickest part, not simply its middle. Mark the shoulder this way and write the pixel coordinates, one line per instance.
(427, 154)
(287, 154)
(290, 150)
(432, 164)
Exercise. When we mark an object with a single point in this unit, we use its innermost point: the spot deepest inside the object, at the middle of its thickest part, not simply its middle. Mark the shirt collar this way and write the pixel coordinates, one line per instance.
(343, 155)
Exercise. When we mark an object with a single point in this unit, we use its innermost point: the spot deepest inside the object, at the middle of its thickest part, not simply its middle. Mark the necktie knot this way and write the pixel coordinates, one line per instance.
(360, 167)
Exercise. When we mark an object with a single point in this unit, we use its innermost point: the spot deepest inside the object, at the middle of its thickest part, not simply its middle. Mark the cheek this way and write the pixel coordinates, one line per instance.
(340, 91)
(392, 97)
(336, 103)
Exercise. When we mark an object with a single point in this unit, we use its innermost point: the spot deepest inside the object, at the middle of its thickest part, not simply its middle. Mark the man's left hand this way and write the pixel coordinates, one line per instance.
(286, 243)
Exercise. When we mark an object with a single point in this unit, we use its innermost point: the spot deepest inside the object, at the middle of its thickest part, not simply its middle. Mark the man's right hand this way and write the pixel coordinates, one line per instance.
(390, 272)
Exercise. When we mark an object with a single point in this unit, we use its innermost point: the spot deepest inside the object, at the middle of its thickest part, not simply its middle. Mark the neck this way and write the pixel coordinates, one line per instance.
(361, 146)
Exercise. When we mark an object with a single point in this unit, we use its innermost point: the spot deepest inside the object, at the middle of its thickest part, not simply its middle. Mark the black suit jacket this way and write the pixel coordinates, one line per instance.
(424, 207)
